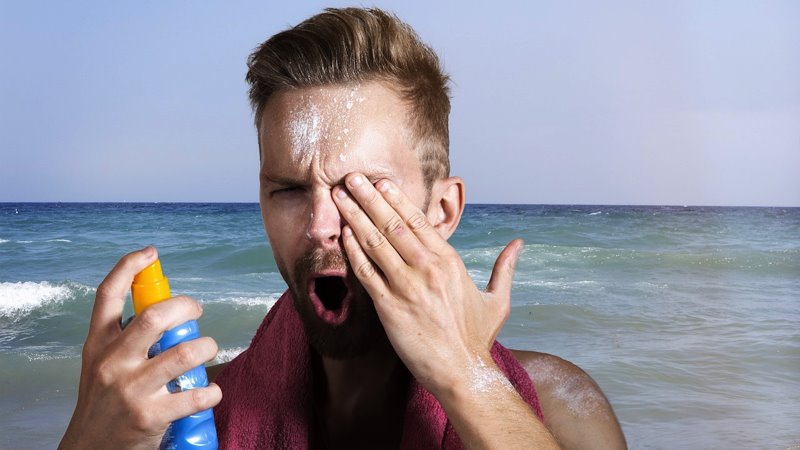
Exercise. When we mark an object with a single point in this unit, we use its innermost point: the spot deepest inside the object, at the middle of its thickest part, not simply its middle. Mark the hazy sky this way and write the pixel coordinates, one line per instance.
(675, 102)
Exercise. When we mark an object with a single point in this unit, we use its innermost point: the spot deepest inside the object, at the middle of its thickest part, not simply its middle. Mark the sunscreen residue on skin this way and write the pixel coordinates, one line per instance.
(310, 221)
(320, 126)
(323, 122)
(573, 389)
(304, 131)
(485, 379)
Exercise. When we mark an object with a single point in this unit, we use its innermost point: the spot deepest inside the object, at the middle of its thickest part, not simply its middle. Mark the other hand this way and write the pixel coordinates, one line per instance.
(439, 323)
(122, 398)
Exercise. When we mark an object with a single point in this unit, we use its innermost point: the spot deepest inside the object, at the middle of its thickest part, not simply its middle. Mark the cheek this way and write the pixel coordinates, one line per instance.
(285, 222)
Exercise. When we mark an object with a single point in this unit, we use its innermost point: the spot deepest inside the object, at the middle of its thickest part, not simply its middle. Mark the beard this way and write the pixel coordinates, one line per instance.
(360, 331)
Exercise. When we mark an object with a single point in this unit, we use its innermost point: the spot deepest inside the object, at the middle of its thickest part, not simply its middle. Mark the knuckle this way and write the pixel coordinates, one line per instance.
(424, 259)
(395, 201)
(208, 347)
(418, 222)
(375, 240)
(393, 226)
(185, 354)
(103, 290)
(103, 373)
(198, 399)
(151, 319)
(433, 276)
(142, 419)
(353, 210)
(365, 270)
(190, 304)
(454, 262)
(371, 198)
(214, 347)
(88, 351)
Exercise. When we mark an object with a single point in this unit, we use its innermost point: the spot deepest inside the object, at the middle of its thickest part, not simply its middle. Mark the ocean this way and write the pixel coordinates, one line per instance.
(687, 317)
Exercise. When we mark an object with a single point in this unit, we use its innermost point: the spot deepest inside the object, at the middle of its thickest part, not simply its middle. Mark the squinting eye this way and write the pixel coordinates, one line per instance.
(287, 190)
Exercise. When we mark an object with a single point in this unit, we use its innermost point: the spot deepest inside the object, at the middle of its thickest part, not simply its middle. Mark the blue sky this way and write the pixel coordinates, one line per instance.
(674, 102)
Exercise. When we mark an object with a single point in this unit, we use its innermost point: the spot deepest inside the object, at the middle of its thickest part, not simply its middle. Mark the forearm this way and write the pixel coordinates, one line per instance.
(488, 413)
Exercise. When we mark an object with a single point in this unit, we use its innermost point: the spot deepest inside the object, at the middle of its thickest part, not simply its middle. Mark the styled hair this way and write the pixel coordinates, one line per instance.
(353, 45)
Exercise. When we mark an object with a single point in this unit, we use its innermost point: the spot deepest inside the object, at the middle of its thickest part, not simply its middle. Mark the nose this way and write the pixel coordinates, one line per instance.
(324, 221)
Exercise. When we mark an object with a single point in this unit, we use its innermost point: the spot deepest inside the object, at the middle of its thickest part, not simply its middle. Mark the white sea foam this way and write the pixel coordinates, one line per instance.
(52, 356)
(248, 301)
(3, 241)
(227, 354)
(22, 297)
(59, 240)
(268, 301)
(557, 285)
(24, 242)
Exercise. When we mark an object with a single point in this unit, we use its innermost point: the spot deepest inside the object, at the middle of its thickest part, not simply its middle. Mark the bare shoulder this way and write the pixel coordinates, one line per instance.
(575, 409)
(214, 370)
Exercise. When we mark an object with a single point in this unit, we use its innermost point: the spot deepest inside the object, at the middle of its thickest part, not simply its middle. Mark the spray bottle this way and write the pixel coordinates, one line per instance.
(197, 431)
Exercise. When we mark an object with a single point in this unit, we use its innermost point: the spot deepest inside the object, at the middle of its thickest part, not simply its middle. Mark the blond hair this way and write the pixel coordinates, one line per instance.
(352, 45)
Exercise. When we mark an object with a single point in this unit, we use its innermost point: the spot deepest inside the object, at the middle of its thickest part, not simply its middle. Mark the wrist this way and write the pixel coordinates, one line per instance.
(479, 378)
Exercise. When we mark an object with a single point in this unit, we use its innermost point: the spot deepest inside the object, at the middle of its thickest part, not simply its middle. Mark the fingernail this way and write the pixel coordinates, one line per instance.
(385, 186)
(340, 193)
(149, 251)
(347, 231)
(356, 181)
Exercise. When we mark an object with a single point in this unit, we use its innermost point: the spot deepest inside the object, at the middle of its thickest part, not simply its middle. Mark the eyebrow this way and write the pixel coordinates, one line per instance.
(289, 181)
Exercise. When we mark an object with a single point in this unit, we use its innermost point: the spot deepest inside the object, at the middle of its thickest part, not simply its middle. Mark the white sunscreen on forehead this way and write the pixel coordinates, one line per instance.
(323, 120)
(304, 132)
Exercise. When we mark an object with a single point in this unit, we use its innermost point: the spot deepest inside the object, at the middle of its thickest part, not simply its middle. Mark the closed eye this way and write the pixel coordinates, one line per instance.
(286, 190)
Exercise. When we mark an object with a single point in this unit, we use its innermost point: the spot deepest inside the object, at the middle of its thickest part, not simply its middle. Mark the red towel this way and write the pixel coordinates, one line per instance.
(267, 392)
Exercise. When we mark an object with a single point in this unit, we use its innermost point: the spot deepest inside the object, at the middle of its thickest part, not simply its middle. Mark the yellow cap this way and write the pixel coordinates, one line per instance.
(149, 286)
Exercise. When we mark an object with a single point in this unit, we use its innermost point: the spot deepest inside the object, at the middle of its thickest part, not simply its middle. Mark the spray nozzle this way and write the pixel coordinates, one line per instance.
(149, 286)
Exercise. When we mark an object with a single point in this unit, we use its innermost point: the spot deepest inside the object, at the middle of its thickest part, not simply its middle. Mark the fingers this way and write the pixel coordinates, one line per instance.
(365, 270)
(182, 404)
(151, 323)
(110, 297)
(178, 360)
(385, 216)
(413, 217)
(503, 271)
(364, 217)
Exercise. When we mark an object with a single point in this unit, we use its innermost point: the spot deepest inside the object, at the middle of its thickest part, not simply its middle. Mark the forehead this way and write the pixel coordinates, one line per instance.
(336, 130)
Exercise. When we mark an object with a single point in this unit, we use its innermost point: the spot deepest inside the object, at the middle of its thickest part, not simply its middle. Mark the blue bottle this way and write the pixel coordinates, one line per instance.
(197, 431)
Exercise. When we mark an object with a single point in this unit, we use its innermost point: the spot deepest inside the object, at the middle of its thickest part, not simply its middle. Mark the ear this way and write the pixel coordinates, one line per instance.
(446, 205)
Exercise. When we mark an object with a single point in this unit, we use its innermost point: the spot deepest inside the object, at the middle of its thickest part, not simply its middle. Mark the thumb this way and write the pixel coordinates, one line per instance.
(503, 271)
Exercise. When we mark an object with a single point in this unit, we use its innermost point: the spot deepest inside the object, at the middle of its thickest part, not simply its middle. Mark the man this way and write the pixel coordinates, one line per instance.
(382, 339)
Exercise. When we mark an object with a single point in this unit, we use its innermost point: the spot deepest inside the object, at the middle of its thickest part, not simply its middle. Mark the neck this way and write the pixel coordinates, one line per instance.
(360, 395)
(374, 376)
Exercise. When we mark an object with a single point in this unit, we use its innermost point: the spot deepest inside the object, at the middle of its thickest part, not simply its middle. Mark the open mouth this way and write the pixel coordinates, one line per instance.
(330, 295)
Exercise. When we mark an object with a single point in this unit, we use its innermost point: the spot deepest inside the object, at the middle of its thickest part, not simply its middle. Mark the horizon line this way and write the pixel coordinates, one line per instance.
(674, 205)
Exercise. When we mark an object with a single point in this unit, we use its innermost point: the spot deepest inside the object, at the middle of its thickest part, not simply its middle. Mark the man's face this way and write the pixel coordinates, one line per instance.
(310, 139)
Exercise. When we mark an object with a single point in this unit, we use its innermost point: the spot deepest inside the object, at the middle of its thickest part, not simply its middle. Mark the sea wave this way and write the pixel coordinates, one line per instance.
(53, 355)
(3, 241)
(248, 301)
(21, 298)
